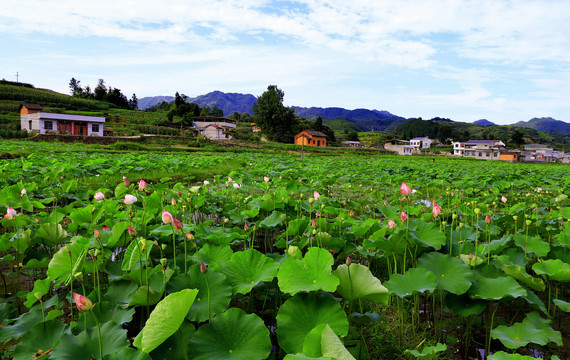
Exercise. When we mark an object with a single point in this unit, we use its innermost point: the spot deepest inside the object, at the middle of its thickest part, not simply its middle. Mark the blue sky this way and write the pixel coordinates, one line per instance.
(505, 61)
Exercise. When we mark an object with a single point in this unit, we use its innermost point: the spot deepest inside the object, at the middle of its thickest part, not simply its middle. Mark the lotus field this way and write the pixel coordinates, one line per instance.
(151, 255)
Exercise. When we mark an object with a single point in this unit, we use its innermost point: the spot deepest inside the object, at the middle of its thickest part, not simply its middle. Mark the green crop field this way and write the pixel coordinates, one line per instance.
(267, 254)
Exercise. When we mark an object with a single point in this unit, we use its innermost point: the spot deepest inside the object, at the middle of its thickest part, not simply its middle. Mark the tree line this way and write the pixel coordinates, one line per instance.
(103, 92)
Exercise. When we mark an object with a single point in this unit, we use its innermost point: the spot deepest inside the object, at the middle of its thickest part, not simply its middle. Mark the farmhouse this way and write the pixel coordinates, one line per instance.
(311, 138)
(479, 149)
(33, 119)
(213, 127)
(421, 143)
(402, 147)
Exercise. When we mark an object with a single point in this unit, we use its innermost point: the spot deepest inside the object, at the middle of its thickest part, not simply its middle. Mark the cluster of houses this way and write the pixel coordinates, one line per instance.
(33, 119)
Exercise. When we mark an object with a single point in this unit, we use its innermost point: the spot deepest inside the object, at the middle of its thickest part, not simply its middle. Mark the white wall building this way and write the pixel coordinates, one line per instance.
(32, 119)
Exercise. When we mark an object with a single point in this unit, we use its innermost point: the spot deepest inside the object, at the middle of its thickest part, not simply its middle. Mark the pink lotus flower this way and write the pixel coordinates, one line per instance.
(206, 182)
(266, 179)
(166, 217)
(391, 224)
(127, 183)
(405, 189)
(316, 195)
(177, 224)
(246, 227)
(82, 302)
(189, 236)
(130, 199)
(487, 219)
(99, 196)
(236, 185)
(436, 209)
(23, 192)
(132, 232)
(504, 199)
(230, 179)
(105, 228)
(348, 262)
(10, 213)
(351, 213)
(403, 216)
(314, 223)
(142, 185)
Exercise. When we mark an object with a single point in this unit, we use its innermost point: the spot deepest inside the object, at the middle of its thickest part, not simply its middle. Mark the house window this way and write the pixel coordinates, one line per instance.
(318, 142)
(487, 154)
(30, 125)
(48, 125)
(95, 127)
(480, 154)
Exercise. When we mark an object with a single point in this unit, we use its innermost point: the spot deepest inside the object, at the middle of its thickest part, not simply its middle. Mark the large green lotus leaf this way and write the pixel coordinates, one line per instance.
(563, 305)
(231, 335)
(248, 268)
(85, 346)
(312, 342)
(414, 280)
(214, 295)
(305, 357)
(534, 300)
(556, 270)
(41, 288)
(451, 273)
(144, 296)
(532, 244)
(463, 305)
(214, 255)
(52, 233)
(333, 347)
(135, 255)
(40, 339)
(546, 333)
(501, 355)
(427, 234)
(272, 220)
(27, 321)
(516, 336)
(357, 282)
(302, 313)
(312, 273)
(7, 312)
(104, 311)
(428, 352)
(61, 266)
(395, 244)
(131, 354)
(176, 346)
(120, 292)
(471, 260)
(165, 319)
(496, 289)
(519, 273)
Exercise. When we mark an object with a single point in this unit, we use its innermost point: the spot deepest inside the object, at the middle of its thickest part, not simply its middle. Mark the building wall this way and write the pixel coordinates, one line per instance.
(38, 125)
(508, 157)
(400, 149)
(305, 138)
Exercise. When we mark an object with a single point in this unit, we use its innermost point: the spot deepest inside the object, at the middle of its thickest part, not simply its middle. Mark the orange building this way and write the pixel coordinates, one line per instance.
(311, 138)
(508, 156)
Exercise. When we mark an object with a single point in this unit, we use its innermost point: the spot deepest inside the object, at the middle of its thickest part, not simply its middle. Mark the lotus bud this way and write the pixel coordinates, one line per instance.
(314, 223)
(403, 216)
(348, 262)
(105, 228)
(266, 179)
(163, 262)
(132, 232)
(163, 247)
(142, 185)
(487, 219)
(283, 216)
(405, 189)
(173, 202)
(477, 211)
(528, 222)
(82, 302)
(96, 233)
(166, 217)
(177, 224)
(246, 227)
(454, 216)
(189, 236)
(130, 199)
(203, 268)
(316, 195)
(23, 192)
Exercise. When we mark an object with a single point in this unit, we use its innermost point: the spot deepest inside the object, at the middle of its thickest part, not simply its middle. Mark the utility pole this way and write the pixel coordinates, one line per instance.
(17, 76)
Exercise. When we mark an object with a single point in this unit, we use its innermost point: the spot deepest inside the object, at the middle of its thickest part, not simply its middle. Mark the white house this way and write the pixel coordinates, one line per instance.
(479, 149)
(32, 119)
(402, 147)
(421, 143)
(213, 127)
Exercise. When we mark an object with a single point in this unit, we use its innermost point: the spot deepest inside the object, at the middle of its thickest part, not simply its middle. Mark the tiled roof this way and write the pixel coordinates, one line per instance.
(315, 133)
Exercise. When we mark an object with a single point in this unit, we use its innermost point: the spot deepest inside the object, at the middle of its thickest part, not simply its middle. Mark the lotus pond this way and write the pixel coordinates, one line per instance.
(149, 255)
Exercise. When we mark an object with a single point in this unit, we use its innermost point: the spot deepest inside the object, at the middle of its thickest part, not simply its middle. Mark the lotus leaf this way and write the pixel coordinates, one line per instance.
(555, 269)
(357, 282)
(165, 319)
(427, 234)
(248, 268)
(501, 355)
(496, 289)
(231, 335)
(300, 314)
(532, 244)
(312, 273)
(414, 280)
(563, 305)
(428, 352)
(451, 273)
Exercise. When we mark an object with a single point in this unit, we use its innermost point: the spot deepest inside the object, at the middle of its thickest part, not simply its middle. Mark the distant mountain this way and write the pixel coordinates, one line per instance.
(148, 102)
(545, 124)
(484, 122)
(366, 120)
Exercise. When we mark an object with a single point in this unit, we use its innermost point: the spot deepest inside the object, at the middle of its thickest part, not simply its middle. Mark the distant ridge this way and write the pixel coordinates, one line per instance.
(484, 122)
(545, 124)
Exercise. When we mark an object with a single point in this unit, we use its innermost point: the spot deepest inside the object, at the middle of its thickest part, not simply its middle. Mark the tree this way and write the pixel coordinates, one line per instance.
(352, 136)
(275, 120)
(134, 102)
(75, 87)
(517, 137)
(216, 111)
(101, 90)
(444, 133)
(319, 124)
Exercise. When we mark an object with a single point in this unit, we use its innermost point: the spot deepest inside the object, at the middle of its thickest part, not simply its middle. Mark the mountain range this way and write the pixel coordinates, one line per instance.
(364, 119)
